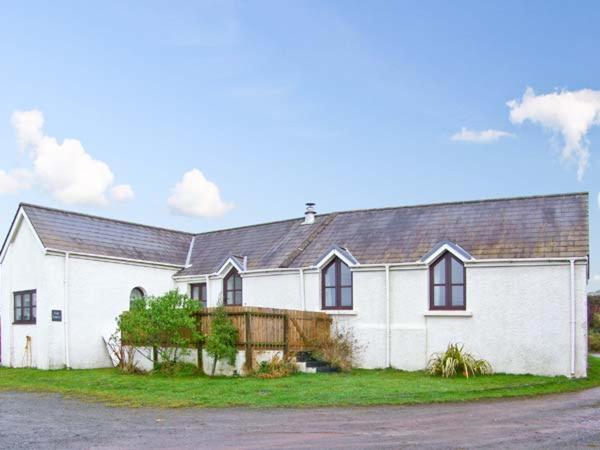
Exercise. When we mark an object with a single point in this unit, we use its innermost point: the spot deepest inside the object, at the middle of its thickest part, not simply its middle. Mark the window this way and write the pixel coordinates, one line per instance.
(198, 292)
(232, 288)
(25, 307)
(337, 285)
(136, 294)
(447, 276)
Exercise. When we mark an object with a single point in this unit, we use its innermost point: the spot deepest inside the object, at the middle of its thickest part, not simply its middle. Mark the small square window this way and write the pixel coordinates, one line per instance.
(25, 307)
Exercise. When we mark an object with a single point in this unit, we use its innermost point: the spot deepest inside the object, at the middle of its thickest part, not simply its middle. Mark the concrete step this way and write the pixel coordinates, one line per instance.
(327, 369)
(315, 363)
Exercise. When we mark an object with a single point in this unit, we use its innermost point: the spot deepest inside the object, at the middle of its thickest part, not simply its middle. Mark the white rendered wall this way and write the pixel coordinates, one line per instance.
(409, 301)
(272, 291)
(519, 316)
(520, 319)
(519, 313)
(23, 269)
(98, 293)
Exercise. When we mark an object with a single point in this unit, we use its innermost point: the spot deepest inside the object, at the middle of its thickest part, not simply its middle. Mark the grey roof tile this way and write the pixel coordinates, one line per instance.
(69, 231)
(524, 227)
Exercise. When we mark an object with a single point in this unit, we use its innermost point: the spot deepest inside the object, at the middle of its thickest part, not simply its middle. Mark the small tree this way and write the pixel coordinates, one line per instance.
(132, 332)
(166, 323)
(172, 325)
(220, 343)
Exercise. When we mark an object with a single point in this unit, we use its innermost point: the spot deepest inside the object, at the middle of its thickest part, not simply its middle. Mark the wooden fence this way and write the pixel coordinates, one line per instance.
(271, 329)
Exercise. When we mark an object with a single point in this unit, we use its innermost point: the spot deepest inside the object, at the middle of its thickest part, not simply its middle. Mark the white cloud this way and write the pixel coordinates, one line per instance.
(479, 136)
(569, 113)
(596, 278)
(28, 125)
(14, 181)
(122, 193)
(196, 196)
(65, 170)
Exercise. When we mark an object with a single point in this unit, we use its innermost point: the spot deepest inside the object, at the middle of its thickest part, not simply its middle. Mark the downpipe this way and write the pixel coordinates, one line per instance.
(66, 312)
(388, 331)
(573, 323)
(302, 293)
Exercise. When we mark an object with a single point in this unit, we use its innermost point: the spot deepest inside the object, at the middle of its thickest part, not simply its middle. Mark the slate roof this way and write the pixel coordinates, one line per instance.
(524, 227)
(69, 231)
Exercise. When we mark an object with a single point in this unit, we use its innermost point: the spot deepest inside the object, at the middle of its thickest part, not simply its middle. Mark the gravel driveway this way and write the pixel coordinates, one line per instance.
(48, 421)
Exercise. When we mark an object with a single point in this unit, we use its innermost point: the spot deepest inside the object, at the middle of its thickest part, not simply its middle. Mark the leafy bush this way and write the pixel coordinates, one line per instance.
(595, 322)
(339, 350)
(455, 361)
(594, 333)
(221, 342)
(276, 368)
(166, 323)
(594, 341)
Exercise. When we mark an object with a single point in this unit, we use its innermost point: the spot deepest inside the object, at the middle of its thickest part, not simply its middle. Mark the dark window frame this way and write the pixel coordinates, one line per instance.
(337, 286)
(31, 307)
(230, 274)
(201, 287)
(448, 305)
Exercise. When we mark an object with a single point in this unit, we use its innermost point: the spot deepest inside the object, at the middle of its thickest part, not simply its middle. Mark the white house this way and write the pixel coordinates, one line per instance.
(505, 277)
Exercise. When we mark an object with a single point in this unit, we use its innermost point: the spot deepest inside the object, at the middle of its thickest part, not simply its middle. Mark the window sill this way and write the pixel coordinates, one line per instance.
(24, 323)
(340, 312)
(448, 313)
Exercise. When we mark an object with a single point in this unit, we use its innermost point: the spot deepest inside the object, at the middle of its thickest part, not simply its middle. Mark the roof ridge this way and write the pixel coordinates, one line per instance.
(255, 225)
(94, 216)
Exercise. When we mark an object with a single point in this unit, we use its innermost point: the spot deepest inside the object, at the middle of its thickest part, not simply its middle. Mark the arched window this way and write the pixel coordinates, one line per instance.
(232, 288)
(136, 293)
(337, 285)
(447, 275)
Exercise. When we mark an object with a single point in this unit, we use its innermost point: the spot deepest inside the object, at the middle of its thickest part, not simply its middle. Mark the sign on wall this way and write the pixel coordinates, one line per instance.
(56, 315)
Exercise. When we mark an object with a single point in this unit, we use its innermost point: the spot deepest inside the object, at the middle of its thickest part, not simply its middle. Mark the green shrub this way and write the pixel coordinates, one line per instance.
(595, 323)
(455, 361)
(276, 368)
(166, 323)
(221, 342)
(339, 350)
(594, 341)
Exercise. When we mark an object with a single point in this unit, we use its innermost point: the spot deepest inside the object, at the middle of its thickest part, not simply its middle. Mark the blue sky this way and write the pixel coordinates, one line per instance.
(347, 104)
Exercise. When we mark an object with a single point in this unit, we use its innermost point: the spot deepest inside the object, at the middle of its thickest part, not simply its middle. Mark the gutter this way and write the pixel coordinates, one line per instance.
(115, 259)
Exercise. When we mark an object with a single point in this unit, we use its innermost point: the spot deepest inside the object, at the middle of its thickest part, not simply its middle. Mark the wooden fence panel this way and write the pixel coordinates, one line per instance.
(273, 329)
(268, 329)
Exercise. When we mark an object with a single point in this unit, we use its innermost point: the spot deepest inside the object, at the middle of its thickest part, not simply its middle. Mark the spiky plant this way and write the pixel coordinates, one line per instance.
(455, 361)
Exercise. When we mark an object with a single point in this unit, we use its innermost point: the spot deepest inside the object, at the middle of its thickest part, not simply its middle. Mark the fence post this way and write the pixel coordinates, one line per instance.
(286, 334)
(248, 343)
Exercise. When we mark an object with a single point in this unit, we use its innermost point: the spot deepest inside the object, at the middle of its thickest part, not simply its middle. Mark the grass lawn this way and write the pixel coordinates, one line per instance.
(359, 388)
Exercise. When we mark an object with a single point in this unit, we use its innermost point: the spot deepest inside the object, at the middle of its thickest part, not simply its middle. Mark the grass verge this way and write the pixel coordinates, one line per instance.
(358, 388)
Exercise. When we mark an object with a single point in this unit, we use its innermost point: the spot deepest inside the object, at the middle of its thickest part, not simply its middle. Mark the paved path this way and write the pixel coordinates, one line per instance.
(49, 421)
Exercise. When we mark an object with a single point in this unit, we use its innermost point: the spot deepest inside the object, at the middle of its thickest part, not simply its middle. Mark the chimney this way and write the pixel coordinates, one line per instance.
(309, 215)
